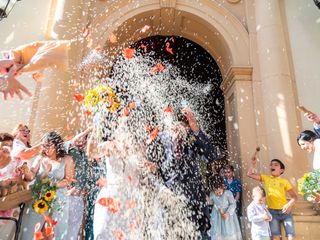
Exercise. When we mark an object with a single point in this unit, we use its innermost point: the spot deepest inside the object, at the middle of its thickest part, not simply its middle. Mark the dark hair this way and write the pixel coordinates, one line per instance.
(228, 167)
(216, 182)
(307, 135)
(57, 141)
(282, 166)
(6, 137)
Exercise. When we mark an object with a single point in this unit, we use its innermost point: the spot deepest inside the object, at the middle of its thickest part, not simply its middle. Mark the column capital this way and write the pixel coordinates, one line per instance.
(235, 73)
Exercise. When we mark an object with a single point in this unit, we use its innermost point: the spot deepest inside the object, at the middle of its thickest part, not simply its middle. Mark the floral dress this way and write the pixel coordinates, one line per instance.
(221, 229)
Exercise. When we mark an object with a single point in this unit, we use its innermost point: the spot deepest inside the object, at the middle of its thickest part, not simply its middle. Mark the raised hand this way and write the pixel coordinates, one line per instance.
(10, 85)
(312, 117)
(191, 119)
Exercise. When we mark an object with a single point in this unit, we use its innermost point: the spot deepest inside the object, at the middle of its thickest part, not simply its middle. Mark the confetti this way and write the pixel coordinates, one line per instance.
(78, 97)
(132, 105)
(168, 109)
(129, 53)
(168, 49)
(153, 135)
(38, 77)
(145, 28)
(85, 32)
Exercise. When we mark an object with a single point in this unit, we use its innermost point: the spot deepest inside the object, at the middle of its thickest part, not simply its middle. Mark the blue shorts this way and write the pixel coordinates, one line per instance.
(279, 217)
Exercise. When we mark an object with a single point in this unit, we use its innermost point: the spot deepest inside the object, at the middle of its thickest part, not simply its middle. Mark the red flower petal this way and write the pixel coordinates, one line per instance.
(47, 219)
(168, 109)
(38, 235)
(85, 32)
(168, 49)
(132, 105)
(54, 222)
(153, 135)
(38, 77)
(129, 53)
(147, 127)
(160, 67)
(88, 113)
(118, 234)
(125, 112)
(49, 231)
(78, 97)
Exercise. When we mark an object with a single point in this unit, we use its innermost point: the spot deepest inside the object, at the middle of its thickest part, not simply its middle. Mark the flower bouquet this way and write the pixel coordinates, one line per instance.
(44, 196)
(101, 98)
(309, 185)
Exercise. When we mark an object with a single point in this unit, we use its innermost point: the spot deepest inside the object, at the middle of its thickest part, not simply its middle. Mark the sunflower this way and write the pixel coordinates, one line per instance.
(40, 206)
(49, 196)
(91, 98)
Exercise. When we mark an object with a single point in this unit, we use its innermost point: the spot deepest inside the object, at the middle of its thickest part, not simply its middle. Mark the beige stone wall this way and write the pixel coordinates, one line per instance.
(267, 51)
(26, 23)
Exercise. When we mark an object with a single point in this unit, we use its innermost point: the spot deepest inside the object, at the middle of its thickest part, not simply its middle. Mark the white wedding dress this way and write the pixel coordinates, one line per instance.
(122, 187)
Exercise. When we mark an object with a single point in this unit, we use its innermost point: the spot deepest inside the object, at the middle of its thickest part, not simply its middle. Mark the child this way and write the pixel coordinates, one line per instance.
(224, 221)
(258, 215)
(233, 185)
(276, 189)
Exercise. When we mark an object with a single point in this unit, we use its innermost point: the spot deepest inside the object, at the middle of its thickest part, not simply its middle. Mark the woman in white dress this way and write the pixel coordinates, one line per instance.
(118, 203)
(21, 148)
(58, 168)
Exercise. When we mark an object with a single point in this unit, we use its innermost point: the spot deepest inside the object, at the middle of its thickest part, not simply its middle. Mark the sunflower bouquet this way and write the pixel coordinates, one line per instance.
(101, 98)
(44, 195)
(309, 185)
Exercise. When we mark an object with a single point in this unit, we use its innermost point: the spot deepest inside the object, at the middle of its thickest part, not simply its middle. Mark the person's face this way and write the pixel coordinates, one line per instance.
(23, 134)
(258, 198)
(48, 148)
(219, 191)
(306, 145)
(275, 169)
(228, 173)
(5, 149)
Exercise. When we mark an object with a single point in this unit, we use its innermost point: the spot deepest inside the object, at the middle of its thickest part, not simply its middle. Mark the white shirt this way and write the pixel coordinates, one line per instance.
(9, 171)
(316, 156)
(17, 147)
(259, 227)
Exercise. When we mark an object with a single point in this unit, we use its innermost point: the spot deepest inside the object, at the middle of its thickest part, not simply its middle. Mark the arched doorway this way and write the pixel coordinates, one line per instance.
(194, 65)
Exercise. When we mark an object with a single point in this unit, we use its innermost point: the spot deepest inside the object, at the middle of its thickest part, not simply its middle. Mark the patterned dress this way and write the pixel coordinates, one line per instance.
(221, 229)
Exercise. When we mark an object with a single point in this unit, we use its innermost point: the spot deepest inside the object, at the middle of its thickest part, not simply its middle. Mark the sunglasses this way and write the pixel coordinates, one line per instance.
(25, 130)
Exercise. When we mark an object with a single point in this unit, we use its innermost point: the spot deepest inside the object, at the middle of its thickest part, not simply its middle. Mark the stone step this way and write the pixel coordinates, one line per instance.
(304, 208)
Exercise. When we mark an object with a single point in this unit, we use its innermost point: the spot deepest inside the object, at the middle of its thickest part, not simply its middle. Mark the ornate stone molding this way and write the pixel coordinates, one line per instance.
(236, 74)
(168, 3)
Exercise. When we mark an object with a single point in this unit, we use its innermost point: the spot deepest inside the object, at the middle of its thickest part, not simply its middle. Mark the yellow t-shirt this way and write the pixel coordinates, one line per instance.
(276, 188)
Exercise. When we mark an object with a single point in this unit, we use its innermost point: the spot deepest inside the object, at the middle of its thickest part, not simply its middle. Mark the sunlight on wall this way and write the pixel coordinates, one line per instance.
(284, 128)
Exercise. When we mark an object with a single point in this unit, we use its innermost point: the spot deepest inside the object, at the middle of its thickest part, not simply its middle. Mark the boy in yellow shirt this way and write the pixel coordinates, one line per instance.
(276, 189)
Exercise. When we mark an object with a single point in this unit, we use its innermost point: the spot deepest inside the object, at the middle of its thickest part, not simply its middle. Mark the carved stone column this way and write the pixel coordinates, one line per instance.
(240, 120)
(278, 91)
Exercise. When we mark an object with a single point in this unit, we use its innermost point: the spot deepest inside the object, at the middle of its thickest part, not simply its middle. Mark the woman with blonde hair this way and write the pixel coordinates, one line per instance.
(21, 149)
